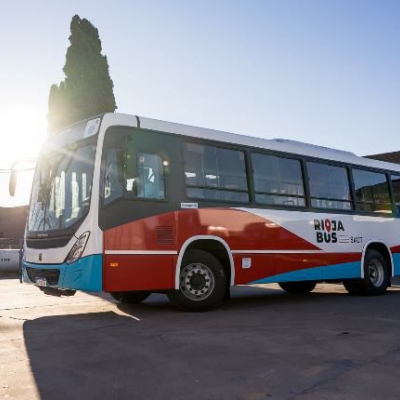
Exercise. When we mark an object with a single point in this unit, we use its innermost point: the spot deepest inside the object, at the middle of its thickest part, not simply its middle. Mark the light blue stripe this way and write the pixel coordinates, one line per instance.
(396, 263)
(84, 274)
(337, 271)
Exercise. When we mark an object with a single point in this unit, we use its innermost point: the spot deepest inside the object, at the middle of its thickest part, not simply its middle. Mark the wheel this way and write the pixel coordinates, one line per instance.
(202, 282)
(298, 287)
(376, 276)
(130, 297)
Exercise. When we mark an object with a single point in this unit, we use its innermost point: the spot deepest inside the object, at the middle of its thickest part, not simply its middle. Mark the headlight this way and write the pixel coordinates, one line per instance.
(77, 251)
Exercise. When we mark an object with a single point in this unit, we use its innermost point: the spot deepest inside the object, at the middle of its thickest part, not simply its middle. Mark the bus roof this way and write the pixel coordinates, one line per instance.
(282, 145)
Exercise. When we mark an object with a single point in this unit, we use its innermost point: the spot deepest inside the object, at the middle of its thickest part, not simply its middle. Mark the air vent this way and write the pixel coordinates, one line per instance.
(165, 235)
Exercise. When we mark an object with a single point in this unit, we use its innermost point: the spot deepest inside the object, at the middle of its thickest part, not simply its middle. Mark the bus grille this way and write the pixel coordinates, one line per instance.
(51, 275)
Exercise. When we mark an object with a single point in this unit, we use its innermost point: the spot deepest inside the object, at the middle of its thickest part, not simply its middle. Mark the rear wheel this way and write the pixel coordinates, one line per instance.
(298, 287)
(202, 282)
(376, 276)
(130, 297)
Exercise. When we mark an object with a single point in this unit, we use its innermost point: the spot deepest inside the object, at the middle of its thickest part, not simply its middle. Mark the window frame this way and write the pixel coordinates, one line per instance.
(105, 149)
(387, 175)
(396, 209)
(279, 156)
(224, 146)
(332, 163)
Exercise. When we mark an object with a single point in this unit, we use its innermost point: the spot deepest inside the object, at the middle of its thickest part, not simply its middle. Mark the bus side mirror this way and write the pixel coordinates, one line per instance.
(13, 182)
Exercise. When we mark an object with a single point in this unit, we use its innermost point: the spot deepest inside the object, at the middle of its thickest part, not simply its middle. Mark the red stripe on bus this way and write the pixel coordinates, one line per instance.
(240, 229)
(395, 249)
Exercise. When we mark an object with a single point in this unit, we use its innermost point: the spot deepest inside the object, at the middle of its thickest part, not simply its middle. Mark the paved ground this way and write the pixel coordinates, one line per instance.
(263, 344)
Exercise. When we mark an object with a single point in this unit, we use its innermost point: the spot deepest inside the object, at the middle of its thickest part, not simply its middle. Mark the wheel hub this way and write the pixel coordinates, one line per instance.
(197, 281)
(376, 273)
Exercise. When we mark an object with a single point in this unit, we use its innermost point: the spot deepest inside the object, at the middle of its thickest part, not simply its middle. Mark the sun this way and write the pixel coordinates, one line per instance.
(23, 129)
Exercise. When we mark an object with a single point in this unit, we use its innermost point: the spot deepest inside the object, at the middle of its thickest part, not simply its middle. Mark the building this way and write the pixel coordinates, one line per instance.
(393, 157)
(12, 225)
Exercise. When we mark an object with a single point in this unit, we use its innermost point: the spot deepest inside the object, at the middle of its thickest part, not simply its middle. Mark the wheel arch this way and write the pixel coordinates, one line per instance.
(213, 245)
(380, 246)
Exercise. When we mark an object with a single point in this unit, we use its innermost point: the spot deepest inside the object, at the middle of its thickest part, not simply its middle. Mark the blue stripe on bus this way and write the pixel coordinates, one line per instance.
(337, 271)
(84, 274)
(396, 263)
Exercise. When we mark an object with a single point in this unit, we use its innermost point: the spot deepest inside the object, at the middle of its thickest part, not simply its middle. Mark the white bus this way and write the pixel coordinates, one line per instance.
(131, 206)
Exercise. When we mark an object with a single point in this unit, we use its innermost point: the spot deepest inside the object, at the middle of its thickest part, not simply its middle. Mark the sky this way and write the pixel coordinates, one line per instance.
(325, 72)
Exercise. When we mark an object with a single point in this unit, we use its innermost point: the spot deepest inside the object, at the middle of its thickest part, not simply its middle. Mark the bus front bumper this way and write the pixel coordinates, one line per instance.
(84, 274)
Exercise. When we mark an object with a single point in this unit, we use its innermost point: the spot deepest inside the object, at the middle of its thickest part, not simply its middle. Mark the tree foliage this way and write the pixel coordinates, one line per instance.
(87, 89)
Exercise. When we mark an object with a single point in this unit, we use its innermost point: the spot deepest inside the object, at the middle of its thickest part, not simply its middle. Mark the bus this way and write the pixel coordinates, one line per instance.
(132, 206)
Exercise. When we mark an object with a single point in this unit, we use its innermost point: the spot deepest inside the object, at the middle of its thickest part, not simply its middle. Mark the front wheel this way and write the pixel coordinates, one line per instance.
(298, 287)
(202, 282)
(130, 297)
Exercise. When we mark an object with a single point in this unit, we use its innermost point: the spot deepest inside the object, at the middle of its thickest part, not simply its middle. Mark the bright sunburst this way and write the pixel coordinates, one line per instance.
(22, 132)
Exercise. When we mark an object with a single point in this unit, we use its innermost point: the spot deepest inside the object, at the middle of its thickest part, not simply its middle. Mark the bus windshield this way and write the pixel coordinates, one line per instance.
(61, 188)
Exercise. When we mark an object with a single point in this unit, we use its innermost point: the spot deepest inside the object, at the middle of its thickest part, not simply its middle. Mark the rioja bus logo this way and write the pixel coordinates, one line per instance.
(326, 230)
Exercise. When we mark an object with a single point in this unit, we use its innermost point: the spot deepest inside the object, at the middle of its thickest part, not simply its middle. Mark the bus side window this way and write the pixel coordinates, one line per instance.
(215, 173)
(329, 186)
(278, 180)
(396, 192)
(372, 191)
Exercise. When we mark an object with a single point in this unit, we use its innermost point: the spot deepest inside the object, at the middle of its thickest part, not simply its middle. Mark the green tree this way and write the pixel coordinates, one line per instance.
(87, 89)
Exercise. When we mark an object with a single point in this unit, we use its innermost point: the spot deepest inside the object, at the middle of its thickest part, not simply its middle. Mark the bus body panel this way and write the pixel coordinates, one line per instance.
(140, 255)
(395, 250)
(262, 243)
(84, 274)
(148, 272)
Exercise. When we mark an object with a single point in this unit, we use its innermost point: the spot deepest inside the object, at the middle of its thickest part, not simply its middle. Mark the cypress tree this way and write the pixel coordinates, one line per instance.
(87, 89)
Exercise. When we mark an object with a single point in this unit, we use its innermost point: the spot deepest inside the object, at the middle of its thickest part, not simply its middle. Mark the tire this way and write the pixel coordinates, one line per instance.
(353, 286)
(376, 276)
(298, 287)
(202, 282)
(130, 297)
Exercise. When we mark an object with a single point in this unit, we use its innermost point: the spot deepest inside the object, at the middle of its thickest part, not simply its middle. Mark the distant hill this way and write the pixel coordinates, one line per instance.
(12, 223)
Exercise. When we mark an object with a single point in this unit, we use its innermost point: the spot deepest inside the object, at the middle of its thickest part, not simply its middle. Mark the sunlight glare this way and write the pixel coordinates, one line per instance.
(23, 129)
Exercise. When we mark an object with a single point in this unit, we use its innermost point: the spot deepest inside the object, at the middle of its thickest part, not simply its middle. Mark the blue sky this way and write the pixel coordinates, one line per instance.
(324, 72)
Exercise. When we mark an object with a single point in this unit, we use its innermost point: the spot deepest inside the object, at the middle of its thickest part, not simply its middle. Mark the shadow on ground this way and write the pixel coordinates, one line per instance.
(261, 344)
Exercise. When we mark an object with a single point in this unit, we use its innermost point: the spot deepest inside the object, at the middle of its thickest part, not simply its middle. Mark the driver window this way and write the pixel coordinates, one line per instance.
(133, 175)
(150, 182)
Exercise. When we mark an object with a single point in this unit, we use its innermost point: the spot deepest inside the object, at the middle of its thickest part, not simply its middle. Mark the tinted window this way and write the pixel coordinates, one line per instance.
(396, 191)
(133, 174)
(329, 186)
(372, 191)
(113, 178)
(277, 180)
(215, 173)
(150, 177)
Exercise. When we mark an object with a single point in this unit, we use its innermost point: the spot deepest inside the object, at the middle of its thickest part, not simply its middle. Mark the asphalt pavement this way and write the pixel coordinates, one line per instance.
(262, 344)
